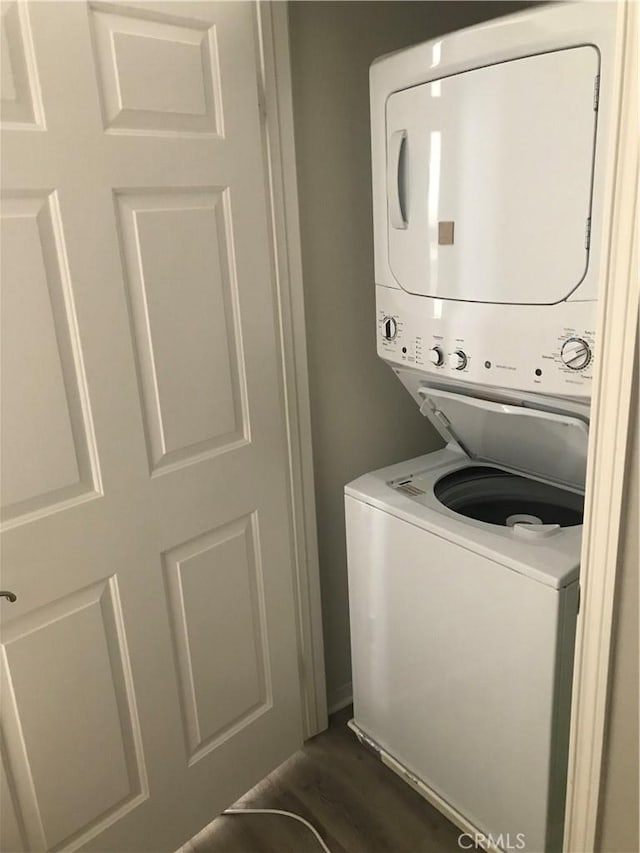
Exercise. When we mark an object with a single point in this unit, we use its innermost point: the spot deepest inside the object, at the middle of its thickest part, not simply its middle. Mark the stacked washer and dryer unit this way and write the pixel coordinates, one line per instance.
(489, 155)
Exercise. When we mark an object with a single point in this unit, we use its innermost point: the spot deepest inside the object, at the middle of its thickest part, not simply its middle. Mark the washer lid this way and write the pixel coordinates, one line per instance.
(545, 444)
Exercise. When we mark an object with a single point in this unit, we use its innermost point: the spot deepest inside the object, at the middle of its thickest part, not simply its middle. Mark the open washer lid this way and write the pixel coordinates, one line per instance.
(544, 444)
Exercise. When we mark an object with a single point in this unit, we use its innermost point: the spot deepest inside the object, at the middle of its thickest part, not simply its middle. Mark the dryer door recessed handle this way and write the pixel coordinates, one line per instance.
(394, 159)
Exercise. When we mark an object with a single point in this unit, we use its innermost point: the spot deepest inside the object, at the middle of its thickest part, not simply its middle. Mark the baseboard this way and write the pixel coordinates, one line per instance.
(340, 697)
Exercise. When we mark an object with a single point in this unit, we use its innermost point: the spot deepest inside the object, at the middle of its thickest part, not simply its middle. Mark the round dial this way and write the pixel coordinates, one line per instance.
(389, 328)
(436, 356)
(458, 360)
(575, 353)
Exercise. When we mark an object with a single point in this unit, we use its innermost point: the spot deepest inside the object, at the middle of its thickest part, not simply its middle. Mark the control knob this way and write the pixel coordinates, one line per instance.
(575, 353)
(389, 328)
(458, 360)
(436, 356)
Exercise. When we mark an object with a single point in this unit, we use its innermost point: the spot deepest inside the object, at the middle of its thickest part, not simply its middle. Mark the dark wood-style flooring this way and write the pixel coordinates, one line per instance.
(356, 803)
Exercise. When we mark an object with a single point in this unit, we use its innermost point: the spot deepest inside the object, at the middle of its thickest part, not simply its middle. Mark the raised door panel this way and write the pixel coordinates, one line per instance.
(158, 73)
(19, 91)
(78, 767)
(42, 379)
(216, 607)
(180, 276)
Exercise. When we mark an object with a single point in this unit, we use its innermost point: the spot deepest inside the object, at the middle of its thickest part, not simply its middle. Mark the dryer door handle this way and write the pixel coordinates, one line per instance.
(394, 161)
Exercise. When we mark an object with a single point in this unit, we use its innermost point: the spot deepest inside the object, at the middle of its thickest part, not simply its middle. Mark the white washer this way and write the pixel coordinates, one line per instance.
(463, 591)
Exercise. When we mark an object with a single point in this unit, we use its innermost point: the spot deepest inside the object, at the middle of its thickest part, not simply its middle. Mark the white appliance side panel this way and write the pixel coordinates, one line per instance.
(453, 670)
(505, 155)
(504, 346)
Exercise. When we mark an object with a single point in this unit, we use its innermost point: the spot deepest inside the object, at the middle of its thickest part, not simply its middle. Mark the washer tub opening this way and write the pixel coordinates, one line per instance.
(494, 496)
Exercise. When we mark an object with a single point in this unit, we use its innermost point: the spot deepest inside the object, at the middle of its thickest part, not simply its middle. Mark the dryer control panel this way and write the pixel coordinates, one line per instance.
(536, 348)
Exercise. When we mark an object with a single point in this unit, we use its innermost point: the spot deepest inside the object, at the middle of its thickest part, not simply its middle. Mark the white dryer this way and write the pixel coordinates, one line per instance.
(490, 150)
(463, 594)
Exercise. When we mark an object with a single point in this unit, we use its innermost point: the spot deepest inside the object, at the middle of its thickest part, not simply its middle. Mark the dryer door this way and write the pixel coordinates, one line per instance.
(545, 444)
(489, 177)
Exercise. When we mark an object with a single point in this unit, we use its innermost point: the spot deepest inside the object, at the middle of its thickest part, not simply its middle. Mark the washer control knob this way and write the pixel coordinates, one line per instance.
(575, 353)
(436, 356)
(458, 360)
(389, 328)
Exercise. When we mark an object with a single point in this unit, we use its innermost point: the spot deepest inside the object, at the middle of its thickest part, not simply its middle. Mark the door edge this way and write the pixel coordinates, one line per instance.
(276, 103)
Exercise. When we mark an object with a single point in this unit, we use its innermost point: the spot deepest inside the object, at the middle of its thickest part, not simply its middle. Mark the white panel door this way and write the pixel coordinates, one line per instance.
(489, 180)
(149, 666)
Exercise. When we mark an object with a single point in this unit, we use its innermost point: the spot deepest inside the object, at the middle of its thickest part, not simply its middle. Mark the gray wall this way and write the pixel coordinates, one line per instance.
(361, 416)
(620, 796)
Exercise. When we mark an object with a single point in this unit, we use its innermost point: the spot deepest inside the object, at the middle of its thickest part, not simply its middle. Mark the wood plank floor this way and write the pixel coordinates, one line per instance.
(356, 803)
